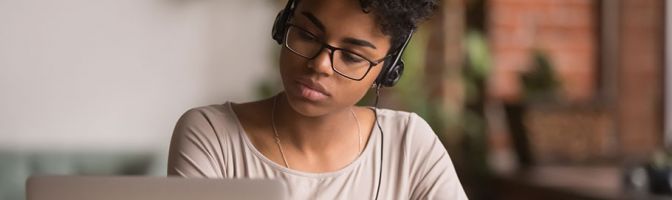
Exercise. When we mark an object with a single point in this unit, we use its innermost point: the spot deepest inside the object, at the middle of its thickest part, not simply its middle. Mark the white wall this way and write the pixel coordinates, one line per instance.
(116, 74)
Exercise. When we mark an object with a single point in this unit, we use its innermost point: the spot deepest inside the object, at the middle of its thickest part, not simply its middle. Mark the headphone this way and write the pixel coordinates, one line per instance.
(393, 65)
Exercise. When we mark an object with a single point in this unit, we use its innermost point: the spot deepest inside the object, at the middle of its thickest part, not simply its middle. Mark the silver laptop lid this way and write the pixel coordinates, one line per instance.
(150, 188)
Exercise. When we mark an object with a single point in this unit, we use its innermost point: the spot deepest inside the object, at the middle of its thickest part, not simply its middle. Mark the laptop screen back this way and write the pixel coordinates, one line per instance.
(150, 188)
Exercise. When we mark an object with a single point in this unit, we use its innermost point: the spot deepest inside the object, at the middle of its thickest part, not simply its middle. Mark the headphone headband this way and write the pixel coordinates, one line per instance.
(280, 24)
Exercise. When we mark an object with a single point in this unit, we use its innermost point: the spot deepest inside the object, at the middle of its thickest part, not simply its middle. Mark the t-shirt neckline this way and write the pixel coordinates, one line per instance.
(248, 143)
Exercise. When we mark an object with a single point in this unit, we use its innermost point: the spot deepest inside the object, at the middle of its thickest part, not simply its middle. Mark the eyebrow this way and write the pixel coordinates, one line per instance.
(349, 40)
(314, 19)
(359, 42)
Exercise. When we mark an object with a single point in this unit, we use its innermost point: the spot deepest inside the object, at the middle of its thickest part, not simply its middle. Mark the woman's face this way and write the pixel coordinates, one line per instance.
(312, 87)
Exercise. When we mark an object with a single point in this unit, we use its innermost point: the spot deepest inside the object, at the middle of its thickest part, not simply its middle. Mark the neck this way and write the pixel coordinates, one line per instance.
(313, 134)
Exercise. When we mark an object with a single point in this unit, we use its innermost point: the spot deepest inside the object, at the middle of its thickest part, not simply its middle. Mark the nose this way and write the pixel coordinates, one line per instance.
(321, 63)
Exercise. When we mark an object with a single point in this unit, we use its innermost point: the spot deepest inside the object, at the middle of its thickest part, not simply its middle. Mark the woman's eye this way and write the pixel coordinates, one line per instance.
(352, 58)
(306, 36)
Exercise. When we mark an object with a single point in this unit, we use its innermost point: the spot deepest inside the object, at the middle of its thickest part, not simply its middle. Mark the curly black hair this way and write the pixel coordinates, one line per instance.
(397, 18)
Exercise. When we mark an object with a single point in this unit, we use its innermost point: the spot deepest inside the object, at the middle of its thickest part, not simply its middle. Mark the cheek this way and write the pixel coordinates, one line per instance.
(354, 91)
(284, 60)
(288, 63)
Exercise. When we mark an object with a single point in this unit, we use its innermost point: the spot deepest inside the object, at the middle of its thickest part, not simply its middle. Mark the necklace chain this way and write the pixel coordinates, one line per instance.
(277, 137)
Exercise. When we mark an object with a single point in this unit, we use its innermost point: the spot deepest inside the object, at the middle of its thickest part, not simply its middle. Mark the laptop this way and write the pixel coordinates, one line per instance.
(150, 188)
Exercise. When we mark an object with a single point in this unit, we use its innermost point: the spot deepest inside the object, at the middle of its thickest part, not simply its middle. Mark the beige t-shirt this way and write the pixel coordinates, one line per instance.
(210, 142)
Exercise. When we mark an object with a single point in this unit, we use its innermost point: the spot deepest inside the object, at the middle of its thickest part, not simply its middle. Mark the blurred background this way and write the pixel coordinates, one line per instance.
(534, 99)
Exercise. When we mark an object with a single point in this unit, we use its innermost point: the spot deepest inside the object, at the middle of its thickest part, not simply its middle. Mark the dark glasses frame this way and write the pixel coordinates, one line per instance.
(332, 49)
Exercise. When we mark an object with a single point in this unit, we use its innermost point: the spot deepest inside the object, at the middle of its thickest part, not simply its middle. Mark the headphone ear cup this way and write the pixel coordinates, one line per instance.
(383, 73)
(394, 74)
(279, 26)
(391, 72)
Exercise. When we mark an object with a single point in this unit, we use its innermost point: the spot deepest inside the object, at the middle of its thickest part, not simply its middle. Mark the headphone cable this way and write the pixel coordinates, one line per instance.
(375, 110)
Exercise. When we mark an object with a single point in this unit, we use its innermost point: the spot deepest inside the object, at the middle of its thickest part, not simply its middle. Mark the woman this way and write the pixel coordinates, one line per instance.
(311, 135)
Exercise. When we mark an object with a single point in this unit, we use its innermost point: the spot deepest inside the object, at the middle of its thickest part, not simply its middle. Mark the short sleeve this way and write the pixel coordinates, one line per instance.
(433, 173)
(193, 147)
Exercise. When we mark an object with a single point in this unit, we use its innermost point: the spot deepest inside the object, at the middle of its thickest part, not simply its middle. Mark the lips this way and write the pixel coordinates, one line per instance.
(312, 90)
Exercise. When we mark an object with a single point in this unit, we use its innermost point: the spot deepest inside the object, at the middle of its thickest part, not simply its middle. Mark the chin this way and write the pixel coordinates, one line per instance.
(306, 107)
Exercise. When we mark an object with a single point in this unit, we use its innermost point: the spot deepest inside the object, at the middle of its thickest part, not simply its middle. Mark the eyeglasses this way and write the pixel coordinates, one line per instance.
(344, 62)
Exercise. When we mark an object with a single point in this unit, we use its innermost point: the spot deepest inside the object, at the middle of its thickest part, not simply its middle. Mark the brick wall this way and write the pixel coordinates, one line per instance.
(564, 29)
(631, 76)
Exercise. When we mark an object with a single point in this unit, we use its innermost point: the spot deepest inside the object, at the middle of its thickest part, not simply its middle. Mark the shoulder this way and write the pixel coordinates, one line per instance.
(197, 141)
(205, 115)
(416, 146)
(410, 136)
(404, 126)
(206, 122)
(204, 112)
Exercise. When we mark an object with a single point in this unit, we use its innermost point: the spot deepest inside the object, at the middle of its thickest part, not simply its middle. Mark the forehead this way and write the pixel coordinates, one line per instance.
(343, 18)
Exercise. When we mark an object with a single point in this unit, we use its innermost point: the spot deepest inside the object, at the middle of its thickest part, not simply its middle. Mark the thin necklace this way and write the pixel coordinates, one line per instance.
(277, 138)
